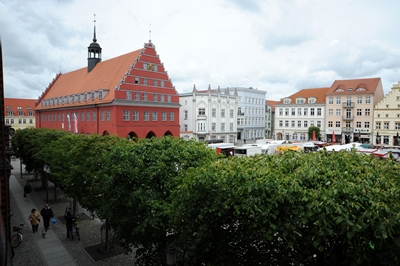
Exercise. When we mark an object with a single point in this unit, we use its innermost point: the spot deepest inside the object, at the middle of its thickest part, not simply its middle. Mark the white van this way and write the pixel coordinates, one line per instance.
(247, 150)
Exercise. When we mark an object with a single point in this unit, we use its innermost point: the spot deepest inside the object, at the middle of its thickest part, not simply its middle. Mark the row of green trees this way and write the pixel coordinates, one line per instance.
(339, 208)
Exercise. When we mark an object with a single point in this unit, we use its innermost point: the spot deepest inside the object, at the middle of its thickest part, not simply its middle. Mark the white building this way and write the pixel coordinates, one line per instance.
(296, 113)
(209, 114)
(387, 118)
(250, 113)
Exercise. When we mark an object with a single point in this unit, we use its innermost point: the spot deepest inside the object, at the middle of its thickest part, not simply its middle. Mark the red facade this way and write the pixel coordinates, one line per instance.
(130, 95)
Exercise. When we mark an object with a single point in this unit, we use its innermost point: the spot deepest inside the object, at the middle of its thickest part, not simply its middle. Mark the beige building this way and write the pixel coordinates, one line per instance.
(350, 109)
(19, 113)
(387, 119)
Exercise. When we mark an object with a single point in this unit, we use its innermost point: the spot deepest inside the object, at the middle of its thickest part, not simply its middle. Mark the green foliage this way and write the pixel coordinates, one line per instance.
(29, 144)
(339, 208)
(76, 161)
(141, 177)
(295, 209)
(317, 132)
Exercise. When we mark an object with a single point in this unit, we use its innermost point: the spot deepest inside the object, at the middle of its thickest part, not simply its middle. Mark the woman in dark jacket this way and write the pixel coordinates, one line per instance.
(46, 213)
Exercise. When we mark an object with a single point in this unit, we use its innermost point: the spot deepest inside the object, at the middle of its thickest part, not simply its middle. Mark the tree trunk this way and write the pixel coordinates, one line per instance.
(74, 207)
(55, 191)
(46, 185)
(107, 236)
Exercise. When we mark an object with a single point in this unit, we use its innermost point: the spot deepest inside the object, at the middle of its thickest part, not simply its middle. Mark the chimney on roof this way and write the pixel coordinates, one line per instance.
(94, 51)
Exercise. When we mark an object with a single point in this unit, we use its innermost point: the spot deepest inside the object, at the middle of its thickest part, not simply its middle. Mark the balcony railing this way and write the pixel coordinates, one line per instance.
(348, 118)
(347, 130)
(348, 105)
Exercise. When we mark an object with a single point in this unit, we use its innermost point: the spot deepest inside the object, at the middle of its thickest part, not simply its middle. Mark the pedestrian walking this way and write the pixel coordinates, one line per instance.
(69, 222)
(27, 191)
(34, 217)
(47, 214)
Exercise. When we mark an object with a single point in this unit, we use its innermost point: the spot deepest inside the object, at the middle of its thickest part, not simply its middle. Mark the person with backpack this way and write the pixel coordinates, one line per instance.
(27, 191)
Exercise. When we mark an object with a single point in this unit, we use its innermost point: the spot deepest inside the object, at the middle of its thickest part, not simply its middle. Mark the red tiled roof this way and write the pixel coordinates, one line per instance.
(318, 93)
(12, 104)
(272, 103)
(350, 86)
(106, 75)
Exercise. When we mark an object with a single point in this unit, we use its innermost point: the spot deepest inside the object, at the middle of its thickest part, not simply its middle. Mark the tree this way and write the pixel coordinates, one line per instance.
(295, 209)
(29, 145)
(317, 132)
(141, 176)
(76, 160)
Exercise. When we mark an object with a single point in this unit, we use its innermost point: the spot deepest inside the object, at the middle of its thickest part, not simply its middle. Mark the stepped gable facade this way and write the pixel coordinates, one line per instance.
(387, 119)
(130, 96)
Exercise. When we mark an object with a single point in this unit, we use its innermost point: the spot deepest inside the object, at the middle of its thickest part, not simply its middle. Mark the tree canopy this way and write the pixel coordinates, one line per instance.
(339, 208)
(317, 208)
(76, 161)
(142, 175)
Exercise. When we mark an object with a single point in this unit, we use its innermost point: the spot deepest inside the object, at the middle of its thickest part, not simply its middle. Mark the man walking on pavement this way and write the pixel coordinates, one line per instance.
(27, 191)
(47, 213)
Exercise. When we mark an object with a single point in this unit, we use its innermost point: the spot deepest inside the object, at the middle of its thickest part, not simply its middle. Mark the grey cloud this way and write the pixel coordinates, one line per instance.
(370, 61)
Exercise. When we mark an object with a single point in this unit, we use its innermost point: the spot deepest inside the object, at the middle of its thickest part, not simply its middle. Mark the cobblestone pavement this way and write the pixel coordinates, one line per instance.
(90, 230)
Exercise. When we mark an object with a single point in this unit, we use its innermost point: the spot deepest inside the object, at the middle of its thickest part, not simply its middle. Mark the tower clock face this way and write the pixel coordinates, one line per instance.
(150, 67)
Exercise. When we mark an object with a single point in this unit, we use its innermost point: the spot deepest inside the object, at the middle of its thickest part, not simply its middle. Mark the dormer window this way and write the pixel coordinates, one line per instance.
(19, 107)
(85, 97)
(350, 89)
(286, 101)
(311, 100)
(300, 100)
(339, 90)
(8, 107)
(100, 95)
(360, 89)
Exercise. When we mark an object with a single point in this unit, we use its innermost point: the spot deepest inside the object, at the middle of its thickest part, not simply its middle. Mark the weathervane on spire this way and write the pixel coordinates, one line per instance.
(150, 33)
(94, 35)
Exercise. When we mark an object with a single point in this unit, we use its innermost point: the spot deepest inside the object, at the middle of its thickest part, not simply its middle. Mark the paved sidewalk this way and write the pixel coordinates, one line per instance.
(55, 249)
(51, 248)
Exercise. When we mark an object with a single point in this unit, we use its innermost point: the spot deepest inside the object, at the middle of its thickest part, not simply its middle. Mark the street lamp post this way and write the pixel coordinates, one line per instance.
(171, 256)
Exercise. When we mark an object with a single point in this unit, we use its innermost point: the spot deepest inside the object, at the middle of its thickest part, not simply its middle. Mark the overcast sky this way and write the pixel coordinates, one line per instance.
(279, 46)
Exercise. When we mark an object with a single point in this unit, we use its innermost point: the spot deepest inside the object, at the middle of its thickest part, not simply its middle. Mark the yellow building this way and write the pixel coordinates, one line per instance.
(19, 113)
(387, 119)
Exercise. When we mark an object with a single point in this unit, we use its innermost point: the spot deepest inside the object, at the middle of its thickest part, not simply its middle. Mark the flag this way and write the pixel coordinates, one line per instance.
(333, 137)
(76, 124)
(69, 123)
